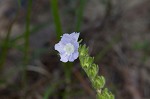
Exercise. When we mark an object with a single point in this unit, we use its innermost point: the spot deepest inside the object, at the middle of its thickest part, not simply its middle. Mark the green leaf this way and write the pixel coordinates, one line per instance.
(88, 61)
(105, 94)
(98, 82)
(92, 71)
(83, 50)
(80, 41)
(82, 58)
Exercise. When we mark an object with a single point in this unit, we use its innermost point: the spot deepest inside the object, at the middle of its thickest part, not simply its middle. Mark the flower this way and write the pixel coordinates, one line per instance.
(68, 47)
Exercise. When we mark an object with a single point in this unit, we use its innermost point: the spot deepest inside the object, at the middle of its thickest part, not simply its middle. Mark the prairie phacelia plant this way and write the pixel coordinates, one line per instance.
(69, 50)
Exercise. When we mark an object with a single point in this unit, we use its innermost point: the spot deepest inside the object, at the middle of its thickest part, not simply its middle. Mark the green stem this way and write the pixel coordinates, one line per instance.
(5, 44)
(26, 38)
(91, 69)
(68, 73)
(19, 3)
(54, 8)
(67, 67)
(79, 14)
(52, 88)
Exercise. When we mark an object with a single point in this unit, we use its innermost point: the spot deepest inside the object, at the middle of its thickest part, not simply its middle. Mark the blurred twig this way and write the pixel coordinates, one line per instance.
(38, 69)
(100, 25)
(103, 52)
(83, 82)
(108, 9)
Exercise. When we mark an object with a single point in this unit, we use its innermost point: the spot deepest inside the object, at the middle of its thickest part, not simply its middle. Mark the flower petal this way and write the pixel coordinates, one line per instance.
(73, 56)
(64, 58)
(66, 39)
(76, 46)
(59, 47)
(75, 36)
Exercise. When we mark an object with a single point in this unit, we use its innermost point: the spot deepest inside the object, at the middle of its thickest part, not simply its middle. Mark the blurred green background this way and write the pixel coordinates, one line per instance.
(116, 31)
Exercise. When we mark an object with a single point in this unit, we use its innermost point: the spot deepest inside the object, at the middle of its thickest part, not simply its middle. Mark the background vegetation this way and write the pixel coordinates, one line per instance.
(116, 31)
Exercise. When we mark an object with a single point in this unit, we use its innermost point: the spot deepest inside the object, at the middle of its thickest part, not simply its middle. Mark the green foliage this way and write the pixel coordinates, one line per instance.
(144, 48)
(98, 82)
(5, 43)
(142, 45)
(91, 70)
(105, 94)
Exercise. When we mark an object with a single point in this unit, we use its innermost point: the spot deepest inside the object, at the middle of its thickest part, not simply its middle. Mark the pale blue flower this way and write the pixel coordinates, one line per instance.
(68, 47)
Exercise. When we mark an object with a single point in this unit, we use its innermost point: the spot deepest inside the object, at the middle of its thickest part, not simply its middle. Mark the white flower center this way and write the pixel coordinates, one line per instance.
(69, 48)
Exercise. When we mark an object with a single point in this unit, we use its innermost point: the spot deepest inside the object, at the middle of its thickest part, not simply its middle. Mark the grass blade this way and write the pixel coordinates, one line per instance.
(26, 44)
(79, 14)
(54, 8)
